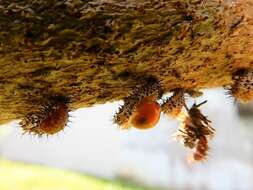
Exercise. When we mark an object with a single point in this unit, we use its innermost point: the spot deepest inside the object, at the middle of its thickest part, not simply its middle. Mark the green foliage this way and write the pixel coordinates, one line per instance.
(17, 176)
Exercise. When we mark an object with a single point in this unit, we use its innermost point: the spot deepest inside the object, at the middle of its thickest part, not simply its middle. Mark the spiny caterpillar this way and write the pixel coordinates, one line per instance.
(242, 89)
(194, 132)
(173, 105)
(140, 110)
(49, 120)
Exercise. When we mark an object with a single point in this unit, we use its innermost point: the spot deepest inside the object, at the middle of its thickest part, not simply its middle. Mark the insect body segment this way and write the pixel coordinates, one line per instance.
(173, 106)
(49, 120)
(201, 149)
(146, 115)
(242, 89)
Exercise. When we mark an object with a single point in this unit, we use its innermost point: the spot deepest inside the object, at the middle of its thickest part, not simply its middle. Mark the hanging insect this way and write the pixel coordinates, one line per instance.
(141, 109)
(49, 120)
(173, 105)
(242, 89)
(194, 132)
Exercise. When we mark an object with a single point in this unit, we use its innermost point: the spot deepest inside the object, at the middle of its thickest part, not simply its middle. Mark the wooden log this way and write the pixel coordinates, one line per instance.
(92, 52)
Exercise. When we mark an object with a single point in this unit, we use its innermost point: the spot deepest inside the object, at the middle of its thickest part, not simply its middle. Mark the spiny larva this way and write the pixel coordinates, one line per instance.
(49, 120)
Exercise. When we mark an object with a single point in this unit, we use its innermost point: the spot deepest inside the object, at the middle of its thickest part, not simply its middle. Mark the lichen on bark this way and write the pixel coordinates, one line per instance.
(92, 52)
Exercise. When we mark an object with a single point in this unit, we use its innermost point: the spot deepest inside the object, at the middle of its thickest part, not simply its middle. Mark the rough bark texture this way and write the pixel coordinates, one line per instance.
(98, 51)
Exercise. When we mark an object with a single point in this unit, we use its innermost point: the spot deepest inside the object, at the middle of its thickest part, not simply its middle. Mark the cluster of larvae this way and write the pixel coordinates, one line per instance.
(141, 110)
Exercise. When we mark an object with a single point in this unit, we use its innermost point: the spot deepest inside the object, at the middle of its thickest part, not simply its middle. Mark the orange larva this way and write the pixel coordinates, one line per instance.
(140, 109)
(242, 89)
(146, 114)
(51, 119)
(173, 106)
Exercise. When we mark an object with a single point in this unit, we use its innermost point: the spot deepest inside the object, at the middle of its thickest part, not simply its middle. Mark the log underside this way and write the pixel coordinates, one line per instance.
(93, 52)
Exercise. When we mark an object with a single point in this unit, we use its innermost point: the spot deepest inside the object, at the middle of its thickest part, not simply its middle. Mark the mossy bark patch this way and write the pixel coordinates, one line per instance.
(93, 52)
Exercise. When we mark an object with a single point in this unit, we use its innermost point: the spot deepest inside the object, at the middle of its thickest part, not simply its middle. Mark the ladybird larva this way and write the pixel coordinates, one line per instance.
(242, 89)
(173, 105)
(49, 120)
(140, 109)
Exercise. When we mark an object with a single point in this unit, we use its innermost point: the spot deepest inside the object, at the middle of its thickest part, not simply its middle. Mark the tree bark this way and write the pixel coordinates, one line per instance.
(97, 51)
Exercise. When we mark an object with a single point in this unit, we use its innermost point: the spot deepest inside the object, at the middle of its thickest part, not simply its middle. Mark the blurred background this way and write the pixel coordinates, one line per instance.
(92, 148)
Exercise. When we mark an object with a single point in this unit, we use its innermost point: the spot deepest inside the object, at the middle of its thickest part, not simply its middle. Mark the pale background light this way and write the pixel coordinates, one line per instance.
(92, 144)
